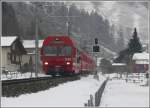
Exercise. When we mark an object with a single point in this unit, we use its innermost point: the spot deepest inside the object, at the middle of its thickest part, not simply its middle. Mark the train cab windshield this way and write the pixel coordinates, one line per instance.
(57, 50)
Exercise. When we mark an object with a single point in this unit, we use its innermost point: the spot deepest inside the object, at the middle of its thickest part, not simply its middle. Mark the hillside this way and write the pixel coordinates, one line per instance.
(86, 22)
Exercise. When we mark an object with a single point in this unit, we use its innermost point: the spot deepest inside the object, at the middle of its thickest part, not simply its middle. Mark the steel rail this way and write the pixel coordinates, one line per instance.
(25, 80)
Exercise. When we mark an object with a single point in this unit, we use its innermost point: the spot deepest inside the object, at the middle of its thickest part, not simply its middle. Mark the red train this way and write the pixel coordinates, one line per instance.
(61, 55)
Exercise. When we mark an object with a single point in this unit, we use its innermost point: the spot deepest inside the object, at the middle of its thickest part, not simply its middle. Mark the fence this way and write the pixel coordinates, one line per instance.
(9, 74)
(96, 99)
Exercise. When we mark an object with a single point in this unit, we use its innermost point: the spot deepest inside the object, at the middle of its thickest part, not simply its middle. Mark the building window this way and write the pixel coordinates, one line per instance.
(14, 58)
(13, 46)
(8, 56)
(17, 59)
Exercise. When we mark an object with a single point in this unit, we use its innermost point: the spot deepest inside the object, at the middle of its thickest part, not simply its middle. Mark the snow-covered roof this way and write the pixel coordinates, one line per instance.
(118, 64)
(7, 40)
(142, 62)
(31, 43)
(141, 56)
(108, 50)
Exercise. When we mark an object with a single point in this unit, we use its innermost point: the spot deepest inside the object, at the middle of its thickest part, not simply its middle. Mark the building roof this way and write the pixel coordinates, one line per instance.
(31, 43)
(118, 64)
(7, 40)
(141, 56)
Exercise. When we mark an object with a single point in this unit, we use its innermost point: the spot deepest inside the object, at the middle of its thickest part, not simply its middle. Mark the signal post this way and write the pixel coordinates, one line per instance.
(96, 50)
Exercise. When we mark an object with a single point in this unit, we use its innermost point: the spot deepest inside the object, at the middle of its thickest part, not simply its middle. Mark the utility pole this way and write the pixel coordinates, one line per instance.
(1, 47)
(36, 43)
(68, 23)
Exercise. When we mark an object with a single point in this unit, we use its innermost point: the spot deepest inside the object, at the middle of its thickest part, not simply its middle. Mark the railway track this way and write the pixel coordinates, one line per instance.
(19, 81)
(14, 88)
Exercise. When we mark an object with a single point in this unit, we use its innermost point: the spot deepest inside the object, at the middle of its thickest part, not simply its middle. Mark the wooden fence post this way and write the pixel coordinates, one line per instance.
(85, 104)
(96, 99)
(88, 102)
(91, 99)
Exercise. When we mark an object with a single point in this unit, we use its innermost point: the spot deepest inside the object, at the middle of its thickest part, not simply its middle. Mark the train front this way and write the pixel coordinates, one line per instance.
(57, 56)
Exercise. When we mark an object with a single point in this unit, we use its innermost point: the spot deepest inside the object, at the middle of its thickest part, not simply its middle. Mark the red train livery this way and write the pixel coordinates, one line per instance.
(60, 55)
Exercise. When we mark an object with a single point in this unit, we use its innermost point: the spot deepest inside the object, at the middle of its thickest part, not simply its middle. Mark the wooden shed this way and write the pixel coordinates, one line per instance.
(12, 51)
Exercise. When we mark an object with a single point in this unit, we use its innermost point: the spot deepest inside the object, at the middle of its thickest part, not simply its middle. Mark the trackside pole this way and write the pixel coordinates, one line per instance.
(95, 51)
(36, 43)
(96, 71)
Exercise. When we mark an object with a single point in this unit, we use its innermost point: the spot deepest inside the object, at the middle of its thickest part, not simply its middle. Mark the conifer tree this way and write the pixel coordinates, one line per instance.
(134, 45)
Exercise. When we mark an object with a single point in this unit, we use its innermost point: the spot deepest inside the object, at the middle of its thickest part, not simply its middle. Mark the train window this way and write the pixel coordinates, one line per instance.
(57, 50)
(50, 50)
(64, 51)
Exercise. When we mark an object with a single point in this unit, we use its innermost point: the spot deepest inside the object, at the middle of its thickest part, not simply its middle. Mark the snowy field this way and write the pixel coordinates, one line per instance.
(71, 94)
(131, 78)
(118, 93)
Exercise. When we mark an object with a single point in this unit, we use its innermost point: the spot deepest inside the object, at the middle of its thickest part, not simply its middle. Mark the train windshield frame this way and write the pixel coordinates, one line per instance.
(64, 50)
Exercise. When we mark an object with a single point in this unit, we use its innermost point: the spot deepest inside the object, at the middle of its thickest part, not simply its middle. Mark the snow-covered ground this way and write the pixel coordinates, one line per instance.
(139, 78)
(118, 93)
(71, 94)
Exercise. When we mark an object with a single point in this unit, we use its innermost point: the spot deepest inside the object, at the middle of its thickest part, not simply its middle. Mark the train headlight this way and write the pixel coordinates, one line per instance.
(46, 63)
(68, 63)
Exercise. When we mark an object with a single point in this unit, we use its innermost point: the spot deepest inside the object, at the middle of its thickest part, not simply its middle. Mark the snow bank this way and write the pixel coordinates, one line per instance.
(118, 93)
(71, 94)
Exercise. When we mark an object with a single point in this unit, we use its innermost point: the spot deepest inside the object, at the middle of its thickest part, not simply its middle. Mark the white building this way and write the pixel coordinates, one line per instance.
(141, 58)
(141, 62)
(29, 45)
